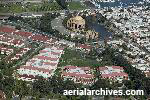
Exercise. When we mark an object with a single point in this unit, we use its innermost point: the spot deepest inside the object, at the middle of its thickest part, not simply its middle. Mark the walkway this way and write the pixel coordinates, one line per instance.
(57, 25)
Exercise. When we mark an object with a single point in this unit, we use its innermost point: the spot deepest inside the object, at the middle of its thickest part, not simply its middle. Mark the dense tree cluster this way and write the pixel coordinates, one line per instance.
(55, 85)
(62, 3)
(45, 22)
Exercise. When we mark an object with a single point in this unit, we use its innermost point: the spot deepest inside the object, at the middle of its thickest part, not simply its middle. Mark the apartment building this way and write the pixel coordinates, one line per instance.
(114, 73)
(44, 64)
(78, 74)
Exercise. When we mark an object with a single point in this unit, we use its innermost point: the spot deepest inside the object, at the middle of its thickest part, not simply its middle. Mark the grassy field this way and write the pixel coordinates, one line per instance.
(76, 6)
(34, 7)
(18, 8)
(76, 58)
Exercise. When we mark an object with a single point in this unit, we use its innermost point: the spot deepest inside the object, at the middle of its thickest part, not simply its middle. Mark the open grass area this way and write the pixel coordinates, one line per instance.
(76, 58)
(18, 8)
(76, 6)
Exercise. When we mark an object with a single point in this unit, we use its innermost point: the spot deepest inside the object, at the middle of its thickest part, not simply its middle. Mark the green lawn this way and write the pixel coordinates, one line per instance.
(76, 6)
(43, 7)
(75, 58)
(33, 7)
(16, 8)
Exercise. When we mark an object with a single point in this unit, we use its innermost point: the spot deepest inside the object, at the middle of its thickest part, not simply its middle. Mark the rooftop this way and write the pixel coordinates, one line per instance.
(78, 18)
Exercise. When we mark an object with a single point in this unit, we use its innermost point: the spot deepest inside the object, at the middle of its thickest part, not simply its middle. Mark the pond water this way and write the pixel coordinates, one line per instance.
(103, 32)
(122, 3)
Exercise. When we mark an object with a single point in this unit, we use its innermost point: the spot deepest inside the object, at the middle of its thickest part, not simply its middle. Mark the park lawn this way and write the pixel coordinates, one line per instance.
(12, 8)
(76, 6)
(76, 58)
(16, 8)
(4, 9)
(33, 7)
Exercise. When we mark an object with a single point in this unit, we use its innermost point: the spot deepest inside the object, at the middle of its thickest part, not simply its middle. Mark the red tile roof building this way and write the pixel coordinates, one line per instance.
(29, 35)
(18, 55)
(6, 50)
(84, 47)
(115, 73)
(7, 29)
(23, 34)
(44, 64)
(78, 74)
(9, 40)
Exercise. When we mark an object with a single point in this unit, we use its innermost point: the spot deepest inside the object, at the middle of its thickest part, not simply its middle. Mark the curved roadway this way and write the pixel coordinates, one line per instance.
(57, 25)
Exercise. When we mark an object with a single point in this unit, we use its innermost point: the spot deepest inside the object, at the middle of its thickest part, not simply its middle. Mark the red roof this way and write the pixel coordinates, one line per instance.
(36, 68)
(102, 68)
(60, 48)
(5, 48)
(74, 67)
(23, 34)
(114, 74)
(55, 53)
(24, 49)
(5, 38)
(38, 37)
(117, 67)
(17, 42)
(27, 76)
(78, 75)
(44, 51)
(48, 63)
(7, 29)
(70, 67)
(86, 81)
(85, 68)
(46, 58)
(84, 46)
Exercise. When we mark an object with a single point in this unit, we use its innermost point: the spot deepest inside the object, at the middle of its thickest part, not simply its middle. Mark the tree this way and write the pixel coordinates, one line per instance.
(2, 65)
(62, 3)
(101, 83)
(70, 85)
(8, 85)
(21, 88)
(18, 27)
(1, 76)
(42, 86)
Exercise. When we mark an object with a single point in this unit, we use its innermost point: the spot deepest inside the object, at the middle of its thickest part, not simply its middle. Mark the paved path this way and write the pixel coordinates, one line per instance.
(57, 25)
